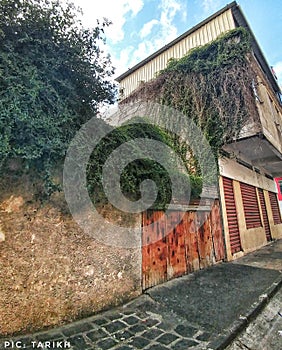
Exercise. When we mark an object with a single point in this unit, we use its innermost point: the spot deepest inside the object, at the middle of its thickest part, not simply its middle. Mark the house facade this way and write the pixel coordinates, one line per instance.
(247, 190)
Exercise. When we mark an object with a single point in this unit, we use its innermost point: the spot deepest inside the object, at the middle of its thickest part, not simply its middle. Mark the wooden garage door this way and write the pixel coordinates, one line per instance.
(174, 244)
(231, 213)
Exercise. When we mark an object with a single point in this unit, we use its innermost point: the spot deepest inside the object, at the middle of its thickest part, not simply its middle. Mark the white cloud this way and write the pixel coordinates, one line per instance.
(278, 71)
(120, 61)
(143, 50)
(147, 28)
(116, 11)
(169, 9)
(164, 32)
(153, 35)
(210, 6)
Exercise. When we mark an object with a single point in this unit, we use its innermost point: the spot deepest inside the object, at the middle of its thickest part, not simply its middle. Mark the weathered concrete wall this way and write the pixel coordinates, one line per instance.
(270, 112)
(51, 271)
(236, 171)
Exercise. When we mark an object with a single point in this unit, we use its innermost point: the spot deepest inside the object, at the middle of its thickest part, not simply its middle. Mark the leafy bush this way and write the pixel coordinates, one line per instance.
(53, 77)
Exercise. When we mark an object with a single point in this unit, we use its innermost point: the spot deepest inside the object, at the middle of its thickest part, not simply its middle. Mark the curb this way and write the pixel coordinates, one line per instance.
(223, 340)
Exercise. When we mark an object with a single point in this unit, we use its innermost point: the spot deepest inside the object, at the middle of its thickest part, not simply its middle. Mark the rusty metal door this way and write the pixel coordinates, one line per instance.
(251, 207)
(232, 219)
(275, 208)
(176, 244)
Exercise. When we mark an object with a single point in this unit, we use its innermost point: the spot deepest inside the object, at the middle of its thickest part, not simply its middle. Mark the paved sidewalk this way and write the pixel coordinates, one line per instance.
(265, 332)
(203, 310)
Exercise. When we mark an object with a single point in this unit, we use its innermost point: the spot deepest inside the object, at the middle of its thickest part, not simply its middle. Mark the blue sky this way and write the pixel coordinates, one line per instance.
(141, 27)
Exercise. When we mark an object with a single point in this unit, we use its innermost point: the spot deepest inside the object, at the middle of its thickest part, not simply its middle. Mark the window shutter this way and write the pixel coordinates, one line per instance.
(251, 207)
(275, 208)
(232, 219)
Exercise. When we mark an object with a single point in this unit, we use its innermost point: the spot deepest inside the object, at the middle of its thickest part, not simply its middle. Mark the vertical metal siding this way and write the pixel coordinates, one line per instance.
(208, 34)
(198, 40)
(275, 208)
(264, 215)
(213, 30)
(251, 207)
(232, 219)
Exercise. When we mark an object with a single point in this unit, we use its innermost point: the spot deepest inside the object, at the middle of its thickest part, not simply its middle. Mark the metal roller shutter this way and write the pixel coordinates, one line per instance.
(233, 227)
(275, 208)
(264, 214)
(251, 207)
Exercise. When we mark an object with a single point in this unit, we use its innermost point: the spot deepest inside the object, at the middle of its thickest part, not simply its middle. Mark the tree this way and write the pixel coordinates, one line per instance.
(53, 77)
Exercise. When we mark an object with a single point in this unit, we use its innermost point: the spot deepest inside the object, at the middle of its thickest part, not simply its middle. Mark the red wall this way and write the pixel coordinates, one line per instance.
(278, 181)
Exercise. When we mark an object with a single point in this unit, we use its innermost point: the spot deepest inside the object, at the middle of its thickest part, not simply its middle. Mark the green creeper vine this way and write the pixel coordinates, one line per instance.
(212, 86)
(140, 169)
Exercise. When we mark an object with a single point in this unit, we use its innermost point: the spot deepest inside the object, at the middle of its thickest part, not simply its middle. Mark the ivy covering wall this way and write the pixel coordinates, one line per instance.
(142, 168)
(212, 85)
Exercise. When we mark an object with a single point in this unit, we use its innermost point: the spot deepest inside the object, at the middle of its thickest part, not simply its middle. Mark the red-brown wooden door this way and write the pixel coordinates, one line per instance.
(176, 244)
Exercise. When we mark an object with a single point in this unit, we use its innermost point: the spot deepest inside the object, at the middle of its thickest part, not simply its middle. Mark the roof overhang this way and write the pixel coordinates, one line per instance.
(259, 153)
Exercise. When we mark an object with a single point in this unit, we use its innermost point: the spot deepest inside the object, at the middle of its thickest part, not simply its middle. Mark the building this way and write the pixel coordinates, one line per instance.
(248, 193)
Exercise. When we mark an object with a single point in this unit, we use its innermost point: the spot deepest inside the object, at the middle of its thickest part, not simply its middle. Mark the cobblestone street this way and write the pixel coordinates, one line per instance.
(124, 329)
